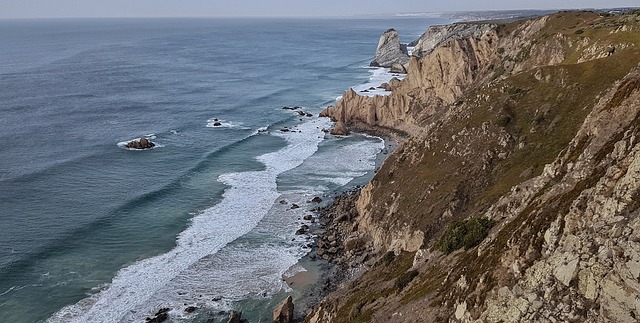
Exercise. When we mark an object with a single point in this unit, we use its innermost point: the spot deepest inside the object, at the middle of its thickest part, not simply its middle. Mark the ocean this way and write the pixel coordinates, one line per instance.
(93, 232)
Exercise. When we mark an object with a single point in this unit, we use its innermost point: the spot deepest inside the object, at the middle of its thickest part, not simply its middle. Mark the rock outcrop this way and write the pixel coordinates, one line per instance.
(390, 51)
(532, 126)
(340, 129)
(438, 35)
(398, 68)
(142, 143)
(284, 312)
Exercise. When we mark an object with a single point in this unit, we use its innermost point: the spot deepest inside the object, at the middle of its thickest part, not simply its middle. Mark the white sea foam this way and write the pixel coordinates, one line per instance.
(211, 123)
(378, 76)
(248, 199)
(261, 130)
(346, 159)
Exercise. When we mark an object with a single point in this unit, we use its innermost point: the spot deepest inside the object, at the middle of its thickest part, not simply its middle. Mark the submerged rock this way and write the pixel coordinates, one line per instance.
(161, 316)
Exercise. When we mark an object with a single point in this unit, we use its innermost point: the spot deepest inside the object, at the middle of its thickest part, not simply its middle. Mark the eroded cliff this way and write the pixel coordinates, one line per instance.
(530, 125)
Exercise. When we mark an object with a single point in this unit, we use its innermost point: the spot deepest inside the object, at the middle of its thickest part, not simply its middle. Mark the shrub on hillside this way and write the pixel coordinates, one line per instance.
(468, 234)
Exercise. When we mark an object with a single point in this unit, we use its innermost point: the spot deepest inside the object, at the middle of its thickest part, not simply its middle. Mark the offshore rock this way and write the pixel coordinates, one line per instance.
(142, 143)
(390, 51)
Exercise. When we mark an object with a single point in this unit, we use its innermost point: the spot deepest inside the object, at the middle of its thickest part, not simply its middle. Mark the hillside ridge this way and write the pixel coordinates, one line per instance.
(514, 196)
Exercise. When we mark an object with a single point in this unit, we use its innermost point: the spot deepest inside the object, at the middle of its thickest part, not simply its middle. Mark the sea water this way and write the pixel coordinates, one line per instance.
(93, 232)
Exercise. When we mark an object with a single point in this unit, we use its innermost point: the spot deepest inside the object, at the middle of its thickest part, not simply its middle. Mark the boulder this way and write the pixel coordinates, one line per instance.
(316, 199)
(284, 312)
(398, 68)
(354, 243)
(340, 129)
(385, 86)
(217, 124)
(303, 229)
(390, 50)
(235, 317)
(160, 316)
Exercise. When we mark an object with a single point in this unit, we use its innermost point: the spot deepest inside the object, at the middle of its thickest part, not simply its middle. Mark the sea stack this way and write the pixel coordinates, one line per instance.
(390, 51)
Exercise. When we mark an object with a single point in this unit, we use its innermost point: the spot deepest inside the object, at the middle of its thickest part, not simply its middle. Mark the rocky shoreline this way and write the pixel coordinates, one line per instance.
(341, 254)
(336, 252)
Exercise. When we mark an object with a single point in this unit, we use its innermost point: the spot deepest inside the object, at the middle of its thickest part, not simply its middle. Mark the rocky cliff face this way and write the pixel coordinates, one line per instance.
(390, 51)
(531, 126)
(438, 35)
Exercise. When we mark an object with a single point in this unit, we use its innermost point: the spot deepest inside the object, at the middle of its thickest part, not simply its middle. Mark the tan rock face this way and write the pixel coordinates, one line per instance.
(433, 81)
(284, 312)
(593, 256)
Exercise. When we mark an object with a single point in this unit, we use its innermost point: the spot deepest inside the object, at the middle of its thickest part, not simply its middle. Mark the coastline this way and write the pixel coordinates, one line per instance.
(328, 265)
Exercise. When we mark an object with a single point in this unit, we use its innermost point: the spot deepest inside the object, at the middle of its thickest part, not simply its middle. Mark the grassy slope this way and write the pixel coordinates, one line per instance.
(542, 116)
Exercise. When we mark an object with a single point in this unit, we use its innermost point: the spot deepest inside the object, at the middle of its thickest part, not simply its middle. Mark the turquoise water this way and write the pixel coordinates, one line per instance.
(112, 235)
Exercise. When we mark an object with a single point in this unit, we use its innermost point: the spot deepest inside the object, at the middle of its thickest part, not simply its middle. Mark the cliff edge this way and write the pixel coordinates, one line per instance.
(515, 197)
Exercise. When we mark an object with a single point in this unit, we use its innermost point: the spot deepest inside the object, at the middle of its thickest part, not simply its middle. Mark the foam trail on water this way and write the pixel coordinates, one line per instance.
(247, 200)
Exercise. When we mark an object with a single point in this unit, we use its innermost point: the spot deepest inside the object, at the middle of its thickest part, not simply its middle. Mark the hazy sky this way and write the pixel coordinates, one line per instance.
(199, 8)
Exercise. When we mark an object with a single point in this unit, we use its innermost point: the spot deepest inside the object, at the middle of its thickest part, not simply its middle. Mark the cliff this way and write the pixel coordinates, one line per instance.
(515, 195)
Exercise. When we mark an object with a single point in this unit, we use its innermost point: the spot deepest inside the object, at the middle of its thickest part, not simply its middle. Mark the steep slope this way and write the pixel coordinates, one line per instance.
(531, 126)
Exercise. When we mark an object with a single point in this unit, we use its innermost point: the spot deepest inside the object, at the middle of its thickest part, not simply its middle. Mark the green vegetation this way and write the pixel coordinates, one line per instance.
(468, 234)
(405, 279)
(377, 283)
(387, 258)
(503, 120)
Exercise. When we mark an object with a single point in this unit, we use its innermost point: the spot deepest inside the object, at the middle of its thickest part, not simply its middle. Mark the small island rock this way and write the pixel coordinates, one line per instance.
(142, 143)
(390, 50)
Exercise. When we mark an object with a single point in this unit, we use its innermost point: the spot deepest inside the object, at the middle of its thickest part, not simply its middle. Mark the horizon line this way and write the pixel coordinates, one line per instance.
(414, 14)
